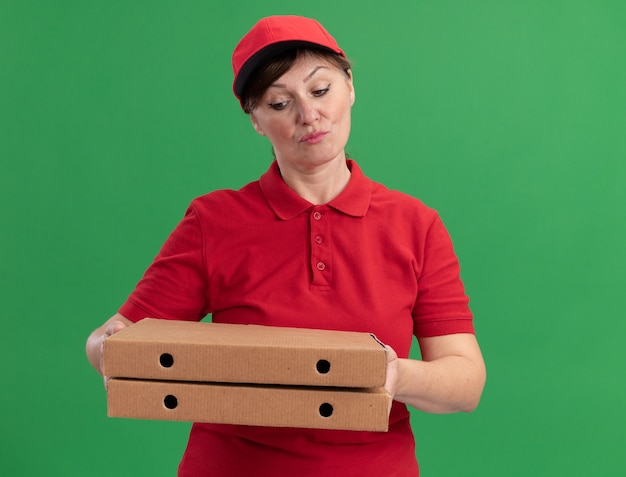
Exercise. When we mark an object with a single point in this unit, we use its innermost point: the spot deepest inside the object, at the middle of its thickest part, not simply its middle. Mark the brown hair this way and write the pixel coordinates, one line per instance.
(269, 72)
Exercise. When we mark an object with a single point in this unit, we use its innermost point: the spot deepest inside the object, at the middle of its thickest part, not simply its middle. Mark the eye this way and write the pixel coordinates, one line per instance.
(279, 106)
(320, 92)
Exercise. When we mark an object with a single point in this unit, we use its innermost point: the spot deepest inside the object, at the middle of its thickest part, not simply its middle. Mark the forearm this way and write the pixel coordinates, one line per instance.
(448, 384)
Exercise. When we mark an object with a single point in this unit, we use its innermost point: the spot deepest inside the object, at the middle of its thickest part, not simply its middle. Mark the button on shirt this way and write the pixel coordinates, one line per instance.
(321, 258)
(371, 260)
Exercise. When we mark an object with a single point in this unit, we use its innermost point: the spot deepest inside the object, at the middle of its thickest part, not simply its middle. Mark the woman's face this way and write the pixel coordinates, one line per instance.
(306, 114)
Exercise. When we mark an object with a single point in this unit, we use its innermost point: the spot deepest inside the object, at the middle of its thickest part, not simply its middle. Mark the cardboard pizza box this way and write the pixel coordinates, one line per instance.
(215, 352)
(256, 405)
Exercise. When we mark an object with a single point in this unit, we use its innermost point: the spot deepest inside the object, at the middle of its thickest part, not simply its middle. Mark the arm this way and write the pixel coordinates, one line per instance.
(95, 341)
(449, 378)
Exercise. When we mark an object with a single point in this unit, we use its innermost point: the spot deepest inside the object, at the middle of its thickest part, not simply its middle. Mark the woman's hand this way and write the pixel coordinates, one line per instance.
(391, 382)
(95, 342)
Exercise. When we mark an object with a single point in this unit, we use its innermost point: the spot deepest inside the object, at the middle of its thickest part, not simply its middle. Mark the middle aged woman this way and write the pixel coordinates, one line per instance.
(314, 244)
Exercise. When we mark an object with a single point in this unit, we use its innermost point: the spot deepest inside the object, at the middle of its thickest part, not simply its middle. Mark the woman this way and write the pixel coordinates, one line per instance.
(314, 244)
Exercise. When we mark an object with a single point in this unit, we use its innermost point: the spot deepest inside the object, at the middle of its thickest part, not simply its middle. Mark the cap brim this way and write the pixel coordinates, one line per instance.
(265, 54)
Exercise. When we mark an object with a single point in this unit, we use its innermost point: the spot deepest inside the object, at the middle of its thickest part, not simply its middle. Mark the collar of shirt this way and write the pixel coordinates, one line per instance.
(354, 200)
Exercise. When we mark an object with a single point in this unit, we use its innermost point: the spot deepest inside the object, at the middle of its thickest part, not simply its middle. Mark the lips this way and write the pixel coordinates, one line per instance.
(313, 137)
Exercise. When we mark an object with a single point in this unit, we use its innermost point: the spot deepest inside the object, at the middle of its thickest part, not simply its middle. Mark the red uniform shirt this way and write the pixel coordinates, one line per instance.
(371, 260)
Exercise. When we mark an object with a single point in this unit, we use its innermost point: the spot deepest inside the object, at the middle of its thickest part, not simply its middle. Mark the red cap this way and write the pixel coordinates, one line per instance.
(273, 35)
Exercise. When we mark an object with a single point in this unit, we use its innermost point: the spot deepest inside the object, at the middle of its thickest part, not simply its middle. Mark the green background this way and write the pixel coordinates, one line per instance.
(506, 116)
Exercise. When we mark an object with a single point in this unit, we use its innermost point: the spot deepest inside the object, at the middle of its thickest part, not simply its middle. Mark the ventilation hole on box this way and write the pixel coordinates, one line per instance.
(170, 401)
(323, 366)
(166, 360)
(326, 410)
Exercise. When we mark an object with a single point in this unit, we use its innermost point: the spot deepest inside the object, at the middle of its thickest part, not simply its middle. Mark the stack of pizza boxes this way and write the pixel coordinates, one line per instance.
(247, 375)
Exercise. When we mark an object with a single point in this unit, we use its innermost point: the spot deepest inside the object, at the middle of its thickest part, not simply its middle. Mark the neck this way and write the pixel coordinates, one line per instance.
(318, 185)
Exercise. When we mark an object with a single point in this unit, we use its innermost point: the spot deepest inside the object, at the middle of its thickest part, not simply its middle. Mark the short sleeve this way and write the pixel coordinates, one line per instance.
(442, 306)
(174, 285)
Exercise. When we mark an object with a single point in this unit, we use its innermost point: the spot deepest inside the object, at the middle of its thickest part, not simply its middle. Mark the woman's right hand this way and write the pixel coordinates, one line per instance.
(95, 342)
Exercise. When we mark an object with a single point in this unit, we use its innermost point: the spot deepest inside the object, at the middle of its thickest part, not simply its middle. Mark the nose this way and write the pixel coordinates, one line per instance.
(308, 112)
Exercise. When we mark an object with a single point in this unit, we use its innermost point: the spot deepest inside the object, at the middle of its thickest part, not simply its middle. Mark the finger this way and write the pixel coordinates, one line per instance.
(111, 329)
(391, 353)
(114, 327)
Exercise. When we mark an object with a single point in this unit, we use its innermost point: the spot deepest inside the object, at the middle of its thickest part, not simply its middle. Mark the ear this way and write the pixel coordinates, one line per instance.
(350, 82)
(255, 124)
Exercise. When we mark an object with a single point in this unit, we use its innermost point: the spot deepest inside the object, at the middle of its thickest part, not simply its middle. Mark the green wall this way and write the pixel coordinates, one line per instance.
(507, 116)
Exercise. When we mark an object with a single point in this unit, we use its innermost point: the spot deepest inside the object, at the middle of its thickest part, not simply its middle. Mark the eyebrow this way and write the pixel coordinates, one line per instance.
(315, 70)
(305, 79)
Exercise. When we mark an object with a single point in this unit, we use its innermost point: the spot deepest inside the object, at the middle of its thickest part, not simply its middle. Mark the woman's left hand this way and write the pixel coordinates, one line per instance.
(391, 382)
